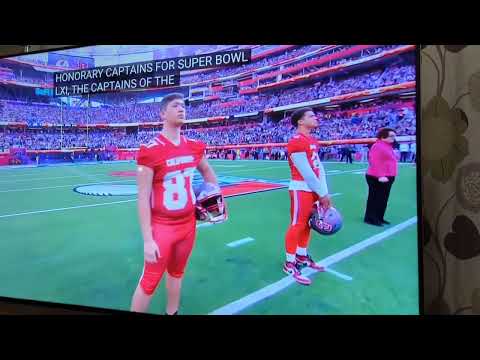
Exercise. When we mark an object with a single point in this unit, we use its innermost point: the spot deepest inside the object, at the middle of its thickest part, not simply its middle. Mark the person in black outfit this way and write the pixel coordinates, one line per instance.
(380, 177)
(343, 152)
(348, 154)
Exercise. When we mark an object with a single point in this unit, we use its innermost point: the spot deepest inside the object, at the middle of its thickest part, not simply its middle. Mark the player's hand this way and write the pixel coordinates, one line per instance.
(151, 251)
(325, 202)
(383, 179)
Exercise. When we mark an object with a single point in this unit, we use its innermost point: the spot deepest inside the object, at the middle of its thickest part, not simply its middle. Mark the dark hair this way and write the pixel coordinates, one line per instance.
(298, 114)
(168, 99)
(383, 133)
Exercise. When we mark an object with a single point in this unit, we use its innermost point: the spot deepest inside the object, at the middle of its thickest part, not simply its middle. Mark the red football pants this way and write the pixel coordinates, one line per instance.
(298, 233)
(175, 243)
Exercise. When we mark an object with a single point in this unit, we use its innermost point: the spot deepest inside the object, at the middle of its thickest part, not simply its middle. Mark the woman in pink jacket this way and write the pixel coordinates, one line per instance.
(381, 174)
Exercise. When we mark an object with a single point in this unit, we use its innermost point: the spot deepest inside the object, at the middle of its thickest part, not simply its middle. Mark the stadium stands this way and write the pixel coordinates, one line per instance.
(343, 124)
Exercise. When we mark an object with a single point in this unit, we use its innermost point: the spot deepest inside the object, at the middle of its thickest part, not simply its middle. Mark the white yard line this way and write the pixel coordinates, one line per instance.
(272, 289)
(339, 274)
(52, 178)
(229, 166)
(240, 242)
(252, 170)
(65, 208)
(65, 186)
(202, 225)
(346, 172)
(46, 166)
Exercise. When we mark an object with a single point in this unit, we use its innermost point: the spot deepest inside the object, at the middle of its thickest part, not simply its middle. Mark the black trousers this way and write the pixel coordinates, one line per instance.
(349, 158)
(378, 194)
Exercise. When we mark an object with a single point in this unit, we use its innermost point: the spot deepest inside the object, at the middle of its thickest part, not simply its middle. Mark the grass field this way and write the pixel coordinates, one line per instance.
(61, 246)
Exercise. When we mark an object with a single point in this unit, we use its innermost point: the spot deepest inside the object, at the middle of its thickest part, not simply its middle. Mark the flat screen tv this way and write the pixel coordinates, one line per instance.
(211, 179)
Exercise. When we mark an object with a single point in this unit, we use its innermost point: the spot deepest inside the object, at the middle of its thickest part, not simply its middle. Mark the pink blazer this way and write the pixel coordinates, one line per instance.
(382, 160)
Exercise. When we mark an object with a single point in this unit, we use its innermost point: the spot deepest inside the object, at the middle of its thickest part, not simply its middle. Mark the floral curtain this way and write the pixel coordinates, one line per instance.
(450, 149)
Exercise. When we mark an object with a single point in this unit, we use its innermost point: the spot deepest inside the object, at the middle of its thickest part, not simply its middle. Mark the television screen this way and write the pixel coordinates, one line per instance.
(211, 179)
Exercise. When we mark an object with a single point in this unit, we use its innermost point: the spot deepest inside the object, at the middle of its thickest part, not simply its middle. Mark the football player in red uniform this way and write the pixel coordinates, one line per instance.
(307, 187)
(167, 204)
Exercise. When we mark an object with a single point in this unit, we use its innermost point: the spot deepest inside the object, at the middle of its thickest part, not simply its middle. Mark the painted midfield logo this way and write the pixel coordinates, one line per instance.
(230, 185)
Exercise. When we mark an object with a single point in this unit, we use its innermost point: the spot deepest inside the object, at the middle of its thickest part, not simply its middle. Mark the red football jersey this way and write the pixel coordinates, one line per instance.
(173, 199)
(308, 145)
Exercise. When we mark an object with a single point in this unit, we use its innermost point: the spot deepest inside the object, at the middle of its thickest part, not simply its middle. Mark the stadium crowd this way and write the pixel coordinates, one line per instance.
(323, 89)
(276, 59)
(39, 114)
(270, 60)
(361, 121)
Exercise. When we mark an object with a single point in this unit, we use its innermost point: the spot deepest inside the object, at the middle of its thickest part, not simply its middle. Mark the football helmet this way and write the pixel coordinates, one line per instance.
(326, 222)
(210, 205)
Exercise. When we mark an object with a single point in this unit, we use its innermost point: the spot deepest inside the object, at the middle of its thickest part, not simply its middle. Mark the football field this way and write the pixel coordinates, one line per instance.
(68, 246)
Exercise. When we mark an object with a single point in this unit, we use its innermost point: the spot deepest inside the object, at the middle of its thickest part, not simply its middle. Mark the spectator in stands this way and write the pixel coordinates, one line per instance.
(413, 149)
(404, 152)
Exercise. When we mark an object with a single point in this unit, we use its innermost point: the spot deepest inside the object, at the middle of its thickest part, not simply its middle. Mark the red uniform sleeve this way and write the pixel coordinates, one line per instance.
(297, 145)
(147, 157)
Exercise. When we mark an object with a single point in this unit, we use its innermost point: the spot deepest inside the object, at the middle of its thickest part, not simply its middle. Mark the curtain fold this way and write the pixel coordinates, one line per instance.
(450, 146)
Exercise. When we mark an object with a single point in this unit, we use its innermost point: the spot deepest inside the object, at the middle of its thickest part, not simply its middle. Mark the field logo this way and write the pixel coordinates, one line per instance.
(231, 186)
(107, 189)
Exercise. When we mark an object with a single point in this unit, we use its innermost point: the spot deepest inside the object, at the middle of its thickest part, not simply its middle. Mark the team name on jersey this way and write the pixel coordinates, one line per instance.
(180, 160)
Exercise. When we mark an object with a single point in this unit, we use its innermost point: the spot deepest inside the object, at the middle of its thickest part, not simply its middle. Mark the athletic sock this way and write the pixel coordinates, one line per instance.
(302, 251)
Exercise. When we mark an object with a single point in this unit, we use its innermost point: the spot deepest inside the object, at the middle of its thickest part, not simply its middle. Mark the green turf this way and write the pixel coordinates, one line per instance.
(93, 256)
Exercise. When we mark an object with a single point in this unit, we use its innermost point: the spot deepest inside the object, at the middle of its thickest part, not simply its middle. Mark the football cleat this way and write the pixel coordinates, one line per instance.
(293, 269)
(306, 260)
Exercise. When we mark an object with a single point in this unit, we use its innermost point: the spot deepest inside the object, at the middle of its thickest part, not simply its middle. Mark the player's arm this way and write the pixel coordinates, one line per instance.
(317, 185)
(323, 177)
(144, 183)
(206, 171)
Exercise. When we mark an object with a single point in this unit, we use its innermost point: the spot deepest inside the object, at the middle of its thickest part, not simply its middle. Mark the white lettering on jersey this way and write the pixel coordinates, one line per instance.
(180, 160)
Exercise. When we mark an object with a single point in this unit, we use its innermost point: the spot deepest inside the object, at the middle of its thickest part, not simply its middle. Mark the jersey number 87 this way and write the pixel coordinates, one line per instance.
(175, 196)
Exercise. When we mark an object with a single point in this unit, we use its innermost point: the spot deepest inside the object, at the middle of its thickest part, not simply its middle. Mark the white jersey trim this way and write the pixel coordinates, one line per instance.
(295, 208)
(298, 185)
